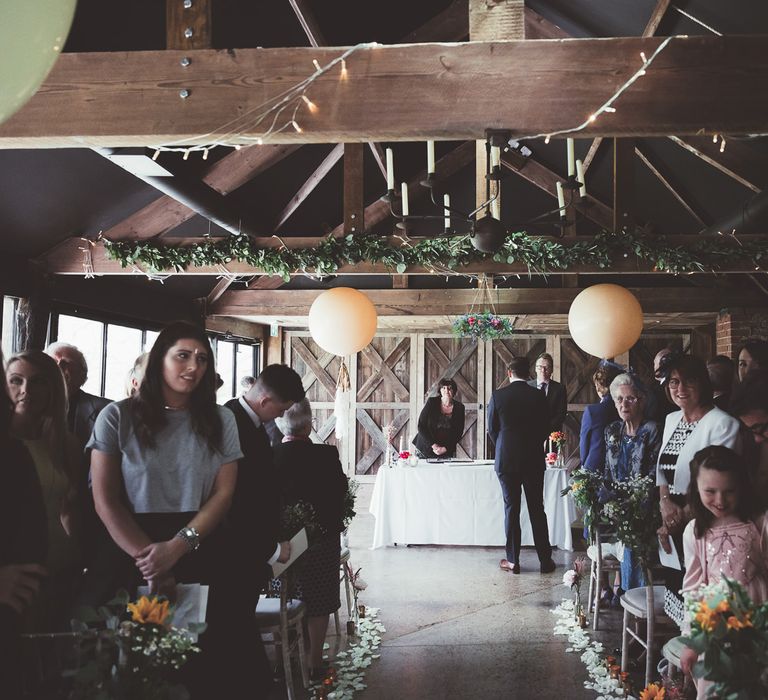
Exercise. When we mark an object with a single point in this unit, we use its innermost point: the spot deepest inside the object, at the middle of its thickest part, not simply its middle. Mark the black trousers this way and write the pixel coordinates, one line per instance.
(511, 487)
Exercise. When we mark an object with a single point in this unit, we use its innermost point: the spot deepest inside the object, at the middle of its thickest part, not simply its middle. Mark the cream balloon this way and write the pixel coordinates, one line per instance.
(605, 320)
(342, 320)
(32, 34)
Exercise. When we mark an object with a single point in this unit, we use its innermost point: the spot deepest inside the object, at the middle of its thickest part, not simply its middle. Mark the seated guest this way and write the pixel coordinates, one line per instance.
(698, 424)
(632, 449)
(753, 354)
(312, 474)
(441, 423)
(749, 404)
(721, 373)
(23, 547)
(36, 388)
(83, 407)
(596, 417)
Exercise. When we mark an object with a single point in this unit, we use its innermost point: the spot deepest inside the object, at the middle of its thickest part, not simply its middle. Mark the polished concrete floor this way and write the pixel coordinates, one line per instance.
(459, 627)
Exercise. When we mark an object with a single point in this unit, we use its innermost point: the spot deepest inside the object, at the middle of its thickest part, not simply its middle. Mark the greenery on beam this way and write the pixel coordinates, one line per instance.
(539, 254)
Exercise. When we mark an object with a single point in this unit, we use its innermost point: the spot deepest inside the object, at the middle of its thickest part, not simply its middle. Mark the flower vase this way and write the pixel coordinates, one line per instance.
(560, 461)
(361, 611)
(582, 618)
(350, 628)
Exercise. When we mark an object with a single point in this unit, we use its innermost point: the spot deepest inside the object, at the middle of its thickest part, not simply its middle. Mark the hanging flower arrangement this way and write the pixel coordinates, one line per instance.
(483, 325)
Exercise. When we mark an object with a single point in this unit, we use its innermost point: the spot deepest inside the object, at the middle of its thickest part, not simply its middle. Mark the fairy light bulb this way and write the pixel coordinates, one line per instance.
(311, 105)
(296, 126)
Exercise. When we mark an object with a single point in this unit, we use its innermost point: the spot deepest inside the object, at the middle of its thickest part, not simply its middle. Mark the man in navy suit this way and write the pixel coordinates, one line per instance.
(596, 417)
(554, 391)
(518, 424)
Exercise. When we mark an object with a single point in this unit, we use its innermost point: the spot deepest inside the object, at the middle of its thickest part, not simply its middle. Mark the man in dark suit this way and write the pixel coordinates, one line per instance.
(518, 423)
(83, 407)
(554, 391)
(254, 516)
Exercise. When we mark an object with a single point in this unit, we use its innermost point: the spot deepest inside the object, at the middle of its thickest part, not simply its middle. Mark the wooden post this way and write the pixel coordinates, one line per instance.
(354, 205)
(623, 183)
(187, 24)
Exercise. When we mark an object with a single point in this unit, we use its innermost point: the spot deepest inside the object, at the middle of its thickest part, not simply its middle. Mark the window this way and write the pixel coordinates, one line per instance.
(234, 360)
(123, 347)
(10, 305)
(88, 336)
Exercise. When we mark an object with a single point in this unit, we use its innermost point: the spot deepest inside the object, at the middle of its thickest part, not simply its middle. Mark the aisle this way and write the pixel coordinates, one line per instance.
(458, 627)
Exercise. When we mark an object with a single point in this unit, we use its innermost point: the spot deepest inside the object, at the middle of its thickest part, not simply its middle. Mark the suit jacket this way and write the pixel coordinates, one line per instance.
(518, 424)
(557, 402)
(254, 514)
(312, 473)
(83, 410)
(592, 436)
(428, 418)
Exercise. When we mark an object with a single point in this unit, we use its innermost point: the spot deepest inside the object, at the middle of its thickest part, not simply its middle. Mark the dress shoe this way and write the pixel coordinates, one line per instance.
(547, 567)
(509, 566)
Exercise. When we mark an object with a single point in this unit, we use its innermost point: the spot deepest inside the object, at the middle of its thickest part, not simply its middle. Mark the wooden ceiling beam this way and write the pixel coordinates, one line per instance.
(67, 259)
(449, 302)
(132, 98)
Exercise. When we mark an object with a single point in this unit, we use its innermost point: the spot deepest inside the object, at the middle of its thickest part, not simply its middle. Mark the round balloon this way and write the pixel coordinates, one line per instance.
(32, 34)
(605, 320)
(342, 320)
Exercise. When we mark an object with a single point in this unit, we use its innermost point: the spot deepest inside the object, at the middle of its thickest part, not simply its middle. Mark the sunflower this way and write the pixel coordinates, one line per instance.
(149, 610)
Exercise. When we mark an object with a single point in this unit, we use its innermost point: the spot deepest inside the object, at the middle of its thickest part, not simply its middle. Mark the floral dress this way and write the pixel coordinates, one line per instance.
(627, 456)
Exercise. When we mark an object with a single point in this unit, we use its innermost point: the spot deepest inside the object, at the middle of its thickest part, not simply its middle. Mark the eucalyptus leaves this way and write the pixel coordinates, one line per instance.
(440, 254)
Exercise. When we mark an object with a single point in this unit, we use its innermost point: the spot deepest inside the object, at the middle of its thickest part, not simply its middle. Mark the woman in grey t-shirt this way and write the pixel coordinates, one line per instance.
(164, 467)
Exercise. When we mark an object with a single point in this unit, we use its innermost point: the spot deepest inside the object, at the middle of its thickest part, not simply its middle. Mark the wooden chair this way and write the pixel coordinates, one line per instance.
(602, 562)
(645, 603)
(347, 589)
(283, 618)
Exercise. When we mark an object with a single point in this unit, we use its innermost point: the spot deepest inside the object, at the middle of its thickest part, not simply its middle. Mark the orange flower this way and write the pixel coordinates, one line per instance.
(734, 623)
(149, 610)
(653, 692)
(722, 607)
(706, 617)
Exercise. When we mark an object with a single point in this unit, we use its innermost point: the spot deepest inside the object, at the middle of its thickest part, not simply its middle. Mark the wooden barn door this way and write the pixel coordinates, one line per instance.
(499, 355)
(457, 359)
(318, 370)
(383, 395)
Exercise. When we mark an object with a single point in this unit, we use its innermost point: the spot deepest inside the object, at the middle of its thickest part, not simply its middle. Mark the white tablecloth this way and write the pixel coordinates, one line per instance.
(459, 505)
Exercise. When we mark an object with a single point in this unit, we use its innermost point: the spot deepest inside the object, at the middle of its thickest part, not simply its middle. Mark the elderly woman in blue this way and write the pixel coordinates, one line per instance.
(632, 448)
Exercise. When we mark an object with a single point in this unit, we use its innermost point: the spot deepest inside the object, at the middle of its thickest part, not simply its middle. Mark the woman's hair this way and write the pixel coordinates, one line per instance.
(604, 375)
(447, 382)
(626, 379)
(721, 459)
(691, 369)
(148, 404)
(53, 421)
(757, 348)
(297, 420)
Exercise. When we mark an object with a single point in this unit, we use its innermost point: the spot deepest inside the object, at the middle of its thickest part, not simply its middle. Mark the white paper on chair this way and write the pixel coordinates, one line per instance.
(671, 560)
(298, 547)
(190, 606)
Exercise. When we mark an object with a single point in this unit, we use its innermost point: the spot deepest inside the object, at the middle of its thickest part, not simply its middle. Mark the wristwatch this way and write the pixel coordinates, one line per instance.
(191, 536)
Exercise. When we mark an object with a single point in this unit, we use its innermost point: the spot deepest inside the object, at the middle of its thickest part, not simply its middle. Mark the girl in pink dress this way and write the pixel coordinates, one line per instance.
(728, 536)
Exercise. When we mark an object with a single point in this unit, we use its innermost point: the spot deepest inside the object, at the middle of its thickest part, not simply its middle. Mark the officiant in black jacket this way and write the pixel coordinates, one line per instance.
(441, 423)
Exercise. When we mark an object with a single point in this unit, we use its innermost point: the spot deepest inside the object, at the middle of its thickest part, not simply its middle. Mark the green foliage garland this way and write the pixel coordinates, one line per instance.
(483, 325)
(537, 253)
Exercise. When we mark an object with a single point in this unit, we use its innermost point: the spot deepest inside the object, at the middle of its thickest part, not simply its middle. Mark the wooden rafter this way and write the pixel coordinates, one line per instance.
(546, 179)
(309, 185)
(666, 180)
(93, 97)
(446, 302)
(225, 176)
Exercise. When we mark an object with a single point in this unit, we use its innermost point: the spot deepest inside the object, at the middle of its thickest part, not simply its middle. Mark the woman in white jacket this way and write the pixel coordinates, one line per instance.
(698, 424)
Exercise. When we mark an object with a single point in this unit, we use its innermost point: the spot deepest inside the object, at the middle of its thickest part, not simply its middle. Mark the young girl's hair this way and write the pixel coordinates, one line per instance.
(721, 459)
(147, 404)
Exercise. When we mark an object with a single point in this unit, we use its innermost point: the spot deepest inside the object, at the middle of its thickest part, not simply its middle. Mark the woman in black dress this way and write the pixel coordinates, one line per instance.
(311, 474)
(441, 423)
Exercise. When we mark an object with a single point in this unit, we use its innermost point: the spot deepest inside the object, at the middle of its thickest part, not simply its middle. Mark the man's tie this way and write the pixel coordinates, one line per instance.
(543, 387)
